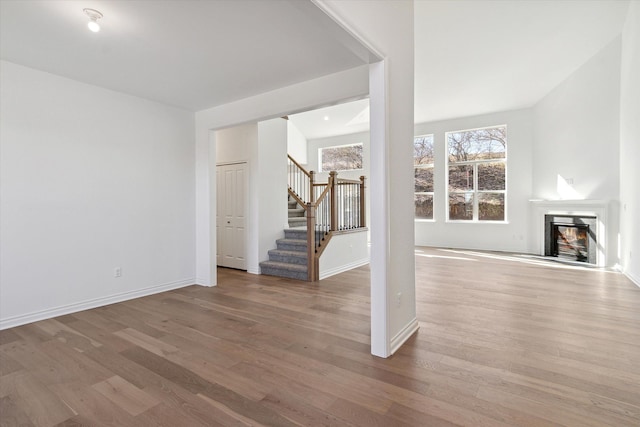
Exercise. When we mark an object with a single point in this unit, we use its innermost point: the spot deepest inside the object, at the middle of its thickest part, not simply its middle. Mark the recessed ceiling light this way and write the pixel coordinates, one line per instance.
(326, 118)
(93, 15)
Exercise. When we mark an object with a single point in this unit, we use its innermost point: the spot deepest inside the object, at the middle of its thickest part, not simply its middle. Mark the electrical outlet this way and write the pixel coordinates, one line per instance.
(117, 272)
(399, 298)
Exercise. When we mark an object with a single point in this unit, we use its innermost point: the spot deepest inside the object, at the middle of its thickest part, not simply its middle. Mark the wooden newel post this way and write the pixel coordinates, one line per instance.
(363, 205)
(312, 195)
(333, 200)
(311, 242)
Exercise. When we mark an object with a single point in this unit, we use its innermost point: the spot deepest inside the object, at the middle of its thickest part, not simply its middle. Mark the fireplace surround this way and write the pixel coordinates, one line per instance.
(596, 210)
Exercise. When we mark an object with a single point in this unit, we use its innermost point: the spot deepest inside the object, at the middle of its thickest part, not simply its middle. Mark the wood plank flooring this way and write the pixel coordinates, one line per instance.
(504, 340)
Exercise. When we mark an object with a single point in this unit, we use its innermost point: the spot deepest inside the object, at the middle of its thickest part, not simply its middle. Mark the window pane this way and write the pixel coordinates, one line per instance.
(347, 157)
(479, 144)
(460, 178)
(424, 206)
(491, 207)
(423, 150)
(423, 180)
(491, 176)
(461, 206)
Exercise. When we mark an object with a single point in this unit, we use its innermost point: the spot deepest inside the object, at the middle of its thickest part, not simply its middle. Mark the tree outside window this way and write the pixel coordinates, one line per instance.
(341, 158)
(423, 160)
(477, 174)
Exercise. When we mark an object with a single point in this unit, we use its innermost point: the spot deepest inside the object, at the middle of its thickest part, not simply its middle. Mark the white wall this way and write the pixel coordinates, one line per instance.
(303, 96)
(91, 180)
(234, 144)
(272, 184)
(345, 252)
(509, 236)
(296, 143)
(577, 134)
(630, 144)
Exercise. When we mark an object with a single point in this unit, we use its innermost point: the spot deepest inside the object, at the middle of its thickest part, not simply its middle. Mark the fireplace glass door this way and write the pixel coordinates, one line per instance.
(571, 241)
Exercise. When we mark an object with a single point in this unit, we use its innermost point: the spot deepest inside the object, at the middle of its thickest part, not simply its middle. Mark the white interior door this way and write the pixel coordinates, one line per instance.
(231, 215)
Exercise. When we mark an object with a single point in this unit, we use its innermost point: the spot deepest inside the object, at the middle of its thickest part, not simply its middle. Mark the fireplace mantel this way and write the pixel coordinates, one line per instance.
(597, 208)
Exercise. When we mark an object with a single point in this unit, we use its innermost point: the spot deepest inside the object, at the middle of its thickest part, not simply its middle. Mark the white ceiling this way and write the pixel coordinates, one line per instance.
(481, 56)
(472, 56)
(476, 57)
(342, 119)
(190, 54)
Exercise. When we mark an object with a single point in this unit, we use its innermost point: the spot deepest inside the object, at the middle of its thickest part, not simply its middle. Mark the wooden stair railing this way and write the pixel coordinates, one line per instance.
(300, 182)
(332, 207)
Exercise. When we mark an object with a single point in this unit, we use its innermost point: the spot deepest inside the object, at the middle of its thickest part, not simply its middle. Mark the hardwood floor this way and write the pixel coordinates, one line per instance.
(503, 341)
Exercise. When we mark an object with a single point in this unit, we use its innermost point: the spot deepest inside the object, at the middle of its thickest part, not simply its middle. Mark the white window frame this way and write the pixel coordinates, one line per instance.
(432, 193)
(475, 191)
(340, 146)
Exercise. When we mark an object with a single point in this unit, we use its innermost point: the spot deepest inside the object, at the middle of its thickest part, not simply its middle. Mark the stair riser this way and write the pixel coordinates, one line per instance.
(298, 260)
(295, 234)
(298, 275)
(295, 213)
(291, 247)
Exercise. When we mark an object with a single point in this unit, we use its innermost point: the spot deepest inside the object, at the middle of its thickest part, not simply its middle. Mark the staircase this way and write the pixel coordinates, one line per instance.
(297, 214)
(290, 257)
(336, 206)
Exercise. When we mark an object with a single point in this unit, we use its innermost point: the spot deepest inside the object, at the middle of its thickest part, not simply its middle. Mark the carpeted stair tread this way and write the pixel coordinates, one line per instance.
(297, 242)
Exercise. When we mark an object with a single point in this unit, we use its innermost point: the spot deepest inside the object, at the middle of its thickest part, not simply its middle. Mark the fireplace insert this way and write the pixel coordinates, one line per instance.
(571, 237)
(571, 241)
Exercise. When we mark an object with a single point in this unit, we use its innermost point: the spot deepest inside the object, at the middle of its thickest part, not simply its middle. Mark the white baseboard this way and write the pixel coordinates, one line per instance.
(343, 268)
(404, 335)
(203, 282)
(23, 319)
(635, 280)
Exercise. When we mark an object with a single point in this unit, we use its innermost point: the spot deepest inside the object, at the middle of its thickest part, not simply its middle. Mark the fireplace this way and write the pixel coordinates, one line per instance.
(594, 213)
(571, 238)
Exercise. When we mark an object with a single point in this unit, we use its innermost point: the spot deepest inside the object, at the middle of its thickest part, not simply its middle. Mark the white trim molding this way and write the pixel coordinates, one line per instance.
(404, 334)
(595, 208)
(23, 319)
(634, 280)
(203, 282)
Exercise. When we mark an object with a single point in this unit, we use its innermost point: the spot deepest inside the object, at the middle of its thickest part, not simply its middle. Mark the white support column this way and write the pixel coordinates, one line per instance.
(386, 28)
(379, 212)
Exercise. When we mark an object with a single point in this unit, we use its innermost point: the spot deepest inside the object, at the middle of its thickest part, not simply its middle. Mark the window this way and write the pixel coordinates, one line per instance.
(477, 174)
(423, 176)
(340, 158)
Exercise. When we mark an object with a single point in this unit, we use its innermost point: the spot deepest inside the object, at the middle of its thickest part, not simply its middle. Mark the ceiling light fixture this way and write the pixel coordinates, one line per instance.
(326, 118)
(93, 15)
